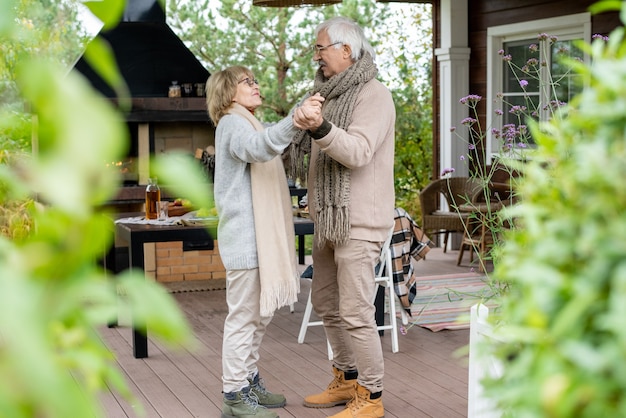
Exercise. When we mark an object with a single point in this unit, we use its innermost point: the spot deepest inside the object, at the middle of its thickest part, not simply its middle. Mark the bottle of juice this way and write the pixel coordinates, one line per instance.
(153, 196)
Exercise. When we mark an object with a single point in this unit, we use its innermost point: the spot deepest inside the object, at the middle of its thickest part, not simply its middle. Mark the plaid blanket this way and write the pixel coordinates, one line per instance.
(408, 242)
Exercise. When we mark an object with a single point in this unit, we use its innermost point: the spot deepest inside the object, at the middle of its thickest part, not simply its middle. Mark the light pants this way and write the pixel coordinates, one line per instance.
(244, 329)
(342, 294)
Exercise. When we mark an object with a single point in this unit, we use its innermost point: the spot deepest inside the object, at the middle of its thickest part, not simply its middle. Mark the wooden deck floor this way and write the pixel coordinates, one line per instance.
(425, 379)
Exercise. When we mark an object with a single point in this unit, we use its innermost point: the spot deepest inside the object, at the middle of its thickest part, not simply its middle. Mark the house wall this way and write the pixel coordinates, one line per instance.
(436, 10)
(483, 14)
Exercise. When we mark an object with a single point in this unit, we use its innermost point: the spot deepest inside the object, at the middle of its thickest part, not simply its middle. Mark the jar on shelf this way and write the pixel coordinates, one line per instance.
(174, 90)
(153, 197)
(199, 89)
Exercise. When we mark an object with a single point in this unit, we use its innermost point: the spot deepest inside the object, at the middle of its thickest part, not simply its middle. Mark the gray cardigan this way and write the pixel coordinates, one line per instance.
(237, 144)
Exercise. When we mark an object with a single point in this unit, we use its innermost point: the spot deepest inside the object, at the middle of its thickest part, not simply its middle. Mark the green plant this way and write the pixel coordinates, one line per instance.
(562, 333)
(53, 294)
(542, 81)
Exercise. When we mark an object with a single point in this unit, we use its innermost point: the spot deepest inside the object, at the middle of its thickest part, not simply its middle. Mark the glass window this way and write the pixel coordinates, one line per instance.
(525, 68)
(548, 80)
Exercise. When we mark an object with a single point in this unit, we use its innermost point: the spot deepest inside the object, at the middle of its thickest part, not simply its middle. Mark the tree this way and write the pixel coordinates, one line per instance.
(411, 64)
(41, 28)
(276, 44)
(44, 27)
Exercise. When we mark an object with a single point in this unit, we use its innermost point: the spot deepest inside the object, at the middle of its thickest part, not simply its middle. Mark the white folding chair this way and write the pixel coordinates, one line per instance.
(383, 278)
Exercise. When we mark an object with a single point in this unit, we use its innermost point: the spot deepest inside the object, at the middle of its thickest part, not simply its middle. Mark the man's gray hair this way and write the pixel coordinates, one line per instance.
(346, 31)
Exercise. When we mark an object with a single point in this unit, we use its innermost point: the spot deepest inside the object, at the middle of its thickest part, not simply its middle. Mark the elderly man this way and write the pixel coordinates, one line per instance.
(351, 200)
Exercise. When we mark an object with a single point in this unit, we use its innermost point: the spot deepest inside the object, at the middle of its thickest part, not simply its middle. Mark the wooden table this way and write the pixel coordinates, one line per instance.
(193, 237)
(302, 226)
(136, 235)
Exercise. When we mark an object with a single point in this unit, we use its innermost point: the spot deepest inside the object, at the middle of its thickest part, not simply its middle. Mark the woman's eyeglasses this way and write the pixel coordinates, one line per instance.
(250, 81)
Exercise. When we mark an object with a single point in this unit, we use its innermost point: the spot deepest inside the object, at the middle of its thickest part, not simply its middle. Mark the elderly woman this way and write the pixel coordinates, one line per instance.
(255, 232)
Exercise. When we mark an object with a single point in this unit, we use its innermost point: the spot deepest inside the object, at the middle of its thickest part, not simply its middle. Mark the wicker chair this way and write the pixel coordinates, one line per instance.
(480, 237)
(457, 191)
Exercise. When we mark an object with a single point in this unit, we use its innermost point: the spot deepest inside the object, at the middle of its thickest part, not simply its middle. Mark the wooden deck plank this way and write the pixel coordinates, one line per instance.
(123, 351)
(425, 379)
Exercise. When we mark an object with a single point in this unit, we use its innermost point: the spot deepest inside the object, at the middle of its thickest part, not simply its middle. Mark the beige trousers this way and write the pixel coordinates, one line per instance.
(342, 295)
(244, 329)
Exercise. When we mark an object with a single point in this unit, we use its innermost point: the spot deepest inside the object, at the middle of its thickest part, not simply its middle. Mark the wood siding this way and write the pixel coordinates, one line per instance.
(483, 14)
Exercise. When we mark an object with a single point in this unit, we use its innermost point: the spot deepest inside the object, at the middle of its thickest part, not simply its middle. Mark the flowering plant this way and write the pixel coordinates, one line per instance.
(561, 334)
(538, 94)
(537, 87)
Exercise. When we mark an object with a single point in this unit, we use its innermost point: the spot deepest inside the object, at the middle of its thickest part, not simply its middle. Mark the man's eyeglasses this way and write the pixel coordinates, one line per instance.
(250, 81)
(320, 48)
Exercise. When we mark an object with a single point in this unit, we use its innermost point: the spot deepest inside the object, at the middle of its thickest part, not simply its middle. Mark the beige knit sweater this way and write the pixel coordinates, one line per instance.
(367, 148)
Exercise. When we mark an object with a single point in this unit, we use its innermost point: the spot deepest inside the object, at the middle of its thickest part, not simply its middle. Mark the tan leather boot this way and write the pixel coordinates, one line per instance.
(339, 392)
(363, 406)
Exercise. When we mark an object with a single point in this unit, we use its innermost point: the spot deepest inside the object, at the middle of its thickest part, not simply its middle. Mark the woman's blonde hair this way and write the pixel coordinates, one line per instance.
(221, 88)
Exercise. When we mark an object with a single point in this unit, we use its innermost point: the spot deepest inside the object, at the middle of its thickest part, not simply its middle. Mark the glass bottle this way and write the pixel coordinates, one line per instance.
(153, 196)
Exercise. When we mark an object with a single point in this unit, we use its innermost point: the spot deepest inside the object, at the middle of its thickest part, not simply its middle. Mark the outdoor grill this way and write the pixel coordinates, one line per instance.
(166, 82)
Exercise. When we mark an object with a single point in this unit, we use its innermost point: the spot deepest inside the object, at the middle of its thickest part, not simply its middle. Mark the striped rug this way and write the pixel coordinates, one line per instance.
(444, 301)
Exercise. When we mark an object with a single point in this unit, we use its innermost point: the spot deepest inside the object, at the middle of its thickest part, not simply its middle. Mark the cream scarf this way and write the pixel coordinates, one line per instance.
(332, 191)
(273, 224)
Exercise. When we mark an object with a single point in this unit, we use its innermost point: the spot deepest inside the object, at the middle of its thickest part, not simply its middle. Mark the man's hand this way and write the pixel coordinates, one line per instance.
(309, 114)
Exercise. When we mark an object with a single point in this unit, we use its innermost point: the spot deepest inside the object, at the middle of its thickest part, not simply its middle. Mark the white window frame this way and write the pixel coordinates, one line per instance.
(576, 26)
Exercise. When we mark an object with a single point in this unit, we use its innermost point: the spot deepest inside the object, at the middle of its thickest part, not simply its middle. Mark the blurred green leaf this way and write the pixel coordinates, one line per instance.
(142, 296)
(183, 175)
(108, 11)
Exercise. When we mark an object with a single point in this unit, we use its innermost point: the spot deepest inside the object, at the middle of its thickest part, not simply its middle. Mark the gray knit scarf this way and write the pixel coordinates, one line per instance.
(332, 194)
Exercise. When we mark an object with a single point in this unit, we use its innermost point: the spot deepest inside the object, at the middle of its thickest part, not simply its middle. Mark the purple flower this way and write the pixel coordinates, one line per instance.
(562, 50)
(468, 121)
(518, 110)
(533, 47)
(523, 83)
(462, 158)
(403, 330)
(499, 112)
(452, 129)
(471, 147)
(447, 171)
(601, 37)
(532, 62)
(471, 99)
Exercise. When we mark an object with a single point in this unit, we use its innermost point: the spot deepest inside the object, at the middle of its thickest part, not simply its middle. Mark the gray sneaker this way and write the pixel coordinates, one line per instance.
(245, 405)
(267, 399)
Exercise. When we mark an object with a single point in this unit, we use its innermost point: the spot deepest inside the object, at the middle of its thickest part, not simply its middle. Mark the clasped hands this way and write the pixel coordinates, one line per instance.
(308, 116)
